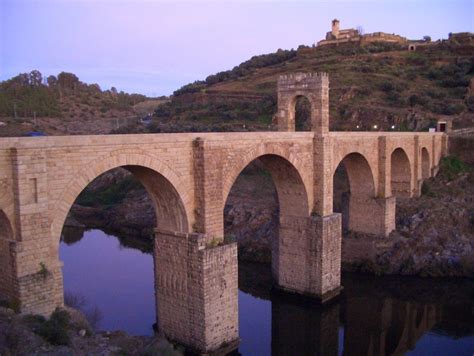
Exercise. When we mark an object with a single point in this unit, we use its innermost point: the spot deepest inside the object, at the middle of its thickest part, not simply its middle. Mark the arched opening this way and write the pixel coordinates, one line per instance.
(353, 193)
(263, 195)
(266, 190)
(251, 213)
(109, 234)
(425, 164)
(6, 261)
(401, 174)
(302, 113)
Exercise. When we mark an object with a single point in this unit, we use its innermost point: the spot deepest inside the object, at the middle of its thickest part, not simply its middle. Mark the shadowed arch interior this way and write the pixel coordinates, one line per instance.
(401, 174)
(425, 164)
(354, 191)
(168, 206)
(6, 266)
(292, 196)
(300, 112)
(292, 202)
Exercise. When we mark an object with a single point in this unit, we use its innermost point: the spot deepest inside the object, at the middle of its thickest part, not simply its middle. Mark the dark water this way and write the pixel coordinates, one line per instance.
(379, 316)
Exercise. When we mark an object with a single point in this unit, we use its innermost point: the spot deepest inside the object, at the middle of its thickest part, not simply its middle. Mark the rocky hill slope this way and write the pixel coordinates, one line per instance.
(63, 105)
(377, 84)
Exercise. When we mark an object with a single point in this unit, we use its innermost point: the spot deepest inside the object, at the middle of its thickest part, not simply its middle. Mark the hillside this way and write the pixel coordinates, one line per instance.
(379, 83)
(62, 104)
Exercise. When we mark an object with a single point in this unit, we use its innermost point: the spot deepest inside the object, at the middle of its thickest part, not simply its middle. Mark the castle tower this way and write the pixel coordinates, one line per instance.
(335, 28)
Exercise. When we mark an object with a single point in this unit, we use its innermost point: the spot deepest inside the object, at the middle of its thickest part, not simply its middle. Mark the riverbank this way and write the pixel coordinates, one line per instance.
(67, 332)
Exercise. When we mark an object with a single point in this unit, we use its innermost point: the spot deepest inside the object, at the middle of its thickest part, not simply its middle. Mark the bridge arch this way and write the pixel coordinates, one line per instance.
(172, 203)
(291, 190)
(273, 156)
(6, 260)
(425, 164)
(401, 173)
(293, 207)
(354, 191)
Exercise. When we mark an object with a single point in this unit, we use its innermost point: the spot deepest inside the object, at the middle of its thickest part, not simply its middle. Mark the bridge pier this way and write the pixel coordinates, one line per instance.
(37, 285)
(372, 215)
(196, 291)
(306, 257)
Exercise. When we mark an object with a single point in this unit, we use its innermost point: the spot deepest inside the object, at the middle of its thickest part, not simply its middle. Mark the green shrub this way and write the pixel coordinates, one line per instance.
(451, 166)
(55, 329)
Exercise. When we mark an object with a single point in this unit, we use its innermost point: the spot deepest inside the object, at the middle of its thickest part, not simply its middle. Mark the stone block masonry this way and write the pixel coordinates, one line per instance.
(189, 177)
(196, 289)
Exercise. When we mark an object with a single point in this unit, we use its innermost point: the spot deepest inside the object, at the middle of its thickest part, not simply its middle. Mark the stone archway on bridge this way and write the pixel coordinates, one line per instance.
(293, 207)
(171, 234)
(172, 203)
(400, 174)
(354, 193)
(6, 260)
(314, 87)
(425, 164)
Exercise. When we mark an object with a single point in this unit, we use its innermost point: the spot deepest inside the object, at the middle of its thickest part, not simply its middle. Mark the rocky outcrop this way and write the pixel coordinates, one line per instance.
(22, 335)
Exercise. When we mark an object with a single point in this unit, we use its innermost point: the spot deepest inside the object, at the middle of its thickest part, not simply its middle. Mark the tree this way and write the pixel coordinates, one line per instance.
(427, 38)
(52, 81)
(67, 82)
(361, 31)
(35, 78)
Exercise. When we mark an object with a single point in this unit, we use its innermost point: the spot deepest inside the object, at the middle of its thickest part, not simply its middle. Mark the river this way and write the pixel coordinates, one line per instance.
(113, 283)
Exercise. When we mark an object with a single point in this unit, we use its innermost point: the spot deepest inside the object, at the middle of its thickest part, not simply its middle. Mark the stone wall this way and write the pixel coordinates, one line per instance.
(196, 289)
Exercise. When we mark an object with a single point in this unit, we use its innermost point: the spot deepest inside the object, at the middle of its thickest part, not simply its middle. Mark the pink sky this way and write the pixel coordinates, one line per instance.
(154, 47)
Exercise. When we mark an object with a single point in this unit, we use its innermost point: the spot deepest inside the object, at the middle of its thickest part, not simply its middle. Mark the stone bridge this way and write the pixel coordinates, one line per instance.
(189, 176)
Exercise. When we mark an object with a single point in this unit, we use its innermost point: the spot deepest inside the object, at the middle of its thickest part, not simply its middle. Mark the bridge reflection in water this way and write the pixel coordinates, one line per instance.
(373, 316)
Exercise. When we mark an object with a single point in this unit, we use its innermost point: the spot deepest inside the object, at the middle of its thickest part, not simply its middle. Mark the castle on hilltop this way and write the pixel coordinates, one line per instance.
(337, 36)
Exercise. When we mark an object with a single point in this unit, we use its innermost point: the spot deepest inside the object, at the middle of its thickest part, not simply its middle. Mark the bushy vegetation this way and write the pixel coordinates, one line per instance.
(26, 94)
(452, 166)
(223, 112)
(30, 94)
(54, 330)
(243, 69)
(112, 195)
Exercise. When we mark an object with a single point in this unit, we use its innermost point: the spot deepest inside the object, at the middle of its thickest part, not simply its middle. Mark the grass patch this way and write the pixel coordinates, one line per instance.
(451, 166)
